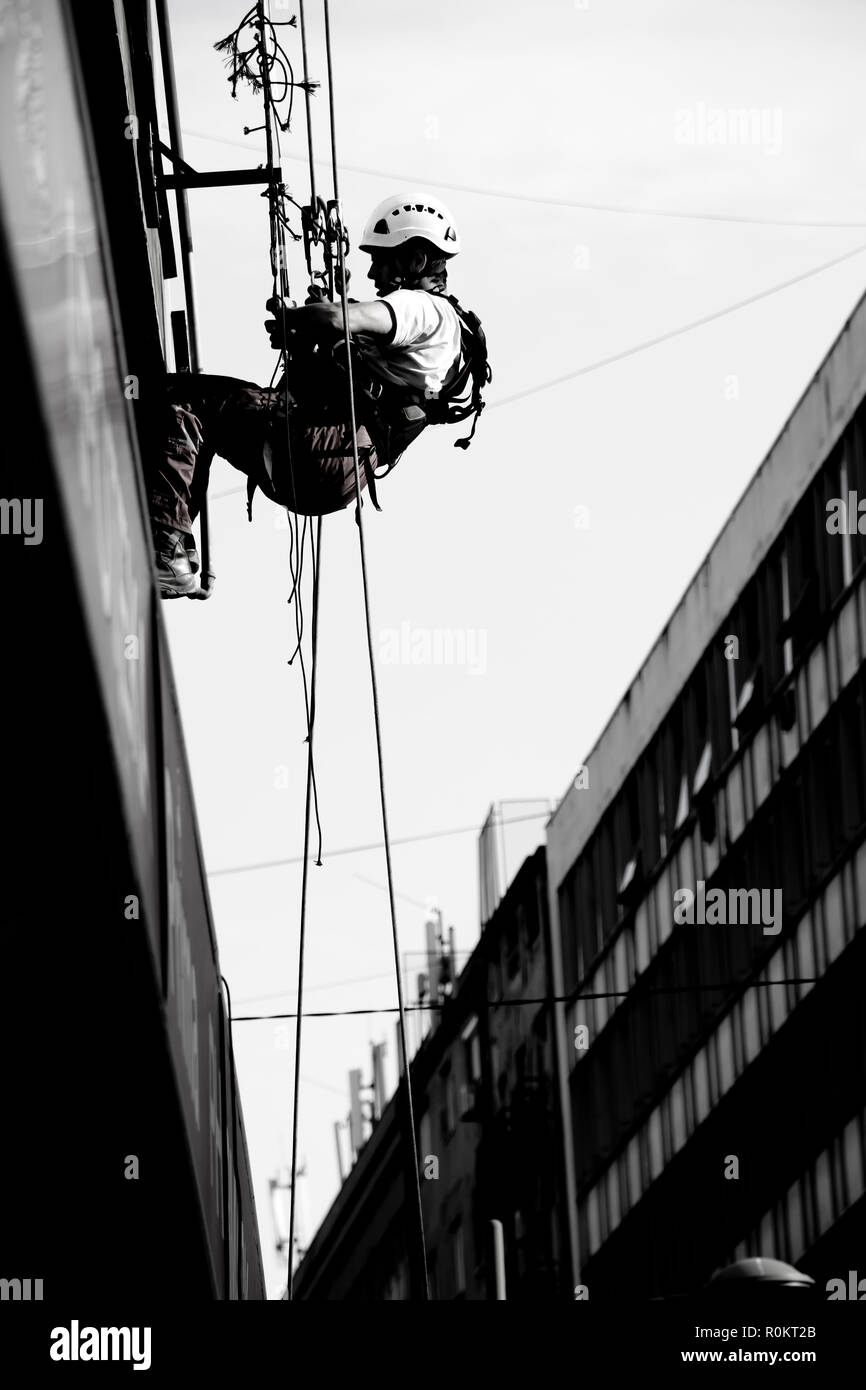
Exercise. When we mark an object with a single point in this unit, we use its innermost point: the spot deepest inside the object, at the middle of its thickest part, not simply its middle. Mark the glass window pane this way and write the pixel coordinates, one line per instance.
(726, 1055)
(751, 1035)
(664, 906)
(806, 953)
(824, 1193)
(853, 1160)
(613, 1212)
(702, 1087)
(634, 1178)
(592, 1221)
(795, 1222)
(619, 952)
(655, 1144)
(642, 951)
(678, 1116)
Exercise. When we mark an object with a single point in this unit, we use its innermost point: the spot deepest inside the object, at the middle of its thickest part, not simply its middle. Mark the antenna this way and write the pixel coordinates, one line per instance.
(338, 1127)
(379, 1050)
(356, 1116)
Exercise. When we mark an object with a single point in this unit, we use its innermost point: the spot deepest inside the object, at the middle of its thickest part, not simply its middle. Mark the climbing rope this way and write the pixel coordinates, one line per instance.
(407, 1082)
(265, 65)
(296, 1090)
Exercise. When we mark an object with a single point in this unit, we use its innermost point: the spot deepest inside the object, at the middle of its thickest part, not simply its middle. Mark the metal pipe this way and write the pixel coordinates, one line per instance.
(313, 203)
(170, 87)
(498, 1259)
(221, 178)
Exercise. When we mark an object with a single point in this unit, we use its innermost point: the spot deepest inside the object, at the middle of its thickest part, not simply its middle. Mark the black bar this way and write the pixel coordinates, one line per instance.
(223, 178)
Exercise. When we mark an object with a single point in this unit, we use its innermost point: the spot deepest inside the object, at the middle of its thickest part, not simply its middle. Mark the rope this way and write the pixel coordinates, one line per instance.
(419, 1212)
(309, 697)
(310, 782)
(267, 60)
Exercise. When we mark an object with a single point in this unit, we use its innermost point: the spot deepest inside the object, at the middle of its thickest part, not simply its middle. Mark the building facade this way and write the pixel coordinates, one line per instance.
(707, 878)
(488, 1139)
(124, 1167)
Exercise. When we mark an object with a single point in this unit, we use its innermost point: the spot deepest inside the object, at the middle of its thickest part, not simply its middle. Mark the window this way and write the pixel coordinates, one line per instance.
(448, 1093)
(532, 919)
(642, 946)
(645, 1168)
(726, 1055)
(691, 1122)
(667, 1137)
(854, 1162)
(636, 1186)
(702, 1086)
(471, 1052)
(712, 1053)
(664, 907)
(655, 1144)
(622, 1171)
(751, 1032)
(512, 944)
(613, 1209)
(620, 969)
(736, 1017)
(648, 798)
(823, 1193)
(855, 448)
(678, 1116)
(592, 1221)
(603, 1213)
(795, 1221)
(425, 1139)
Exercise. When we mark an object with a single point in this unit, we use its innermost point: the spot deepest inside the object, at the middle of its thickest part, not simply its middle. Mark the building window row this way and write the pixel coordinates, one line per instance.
(775, 621)
(821, 936)
(822, 825)
(814, 1203)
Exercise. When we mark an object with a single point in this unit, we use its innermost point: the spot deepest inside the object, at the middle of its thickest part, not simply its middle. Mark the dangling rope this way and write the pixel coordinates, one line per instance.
(323, 224)
(296, 1091)
(419, 1212)
(271, 60)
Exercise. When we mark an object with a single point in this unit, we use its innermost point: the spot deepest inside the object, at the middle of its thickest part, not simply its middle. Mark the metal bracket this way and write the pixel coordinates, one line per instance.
(216, 178)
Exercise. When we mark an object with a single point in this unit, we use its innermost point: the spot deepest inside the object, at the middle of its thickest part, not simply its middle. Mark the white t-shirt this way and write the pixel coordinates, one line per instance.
(424, 344)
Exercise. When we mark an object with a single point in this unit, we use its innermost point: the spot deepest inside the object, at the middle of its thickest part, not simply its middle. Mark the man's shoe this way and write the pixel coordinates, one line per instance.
(173, 569)
(189, 545)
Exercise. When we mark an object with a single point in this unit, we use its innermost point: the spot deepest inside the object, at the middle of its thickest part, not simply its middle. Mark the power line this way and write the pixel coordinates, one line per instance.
(538, 999)
(649, 343)
(309, 989)
(674, 332)
(415, 902)
(377, 844)
(507, 195)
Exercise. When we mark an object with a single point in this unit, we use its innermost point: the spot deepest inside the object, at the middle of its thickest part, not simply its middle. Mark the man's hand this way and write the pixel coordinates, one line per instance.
(319, 316)
(279, 327)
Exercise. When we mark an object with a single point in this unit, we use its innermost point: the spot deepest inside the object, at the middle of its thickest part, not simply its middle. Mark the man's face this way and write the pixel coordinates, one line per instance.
(386, 275)
(382, 272)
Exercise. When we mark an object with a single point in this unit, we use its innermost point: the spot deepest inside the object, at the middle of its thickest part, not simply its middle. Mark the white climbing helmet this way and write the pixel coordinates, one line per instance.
(397, 219)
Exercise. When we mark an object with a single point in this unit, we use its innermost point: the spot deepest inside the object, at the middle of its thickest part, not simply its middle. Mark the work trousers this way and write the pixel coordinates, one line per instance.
(300, 458)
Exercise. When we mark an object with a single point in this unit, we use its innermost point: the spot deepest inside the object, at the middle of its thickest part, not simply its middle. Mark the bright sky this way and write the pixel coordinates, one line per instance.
(610, 102)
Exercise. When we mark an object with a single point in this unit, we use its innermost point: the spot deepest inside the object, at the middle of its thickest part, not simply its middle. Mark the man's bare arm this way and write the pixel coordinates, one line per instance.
(370, 317)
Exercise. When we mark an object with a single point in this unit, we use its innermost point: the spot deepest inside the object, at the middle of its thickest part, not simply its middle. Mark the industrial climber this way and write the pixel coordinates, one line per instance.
(419, 358)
